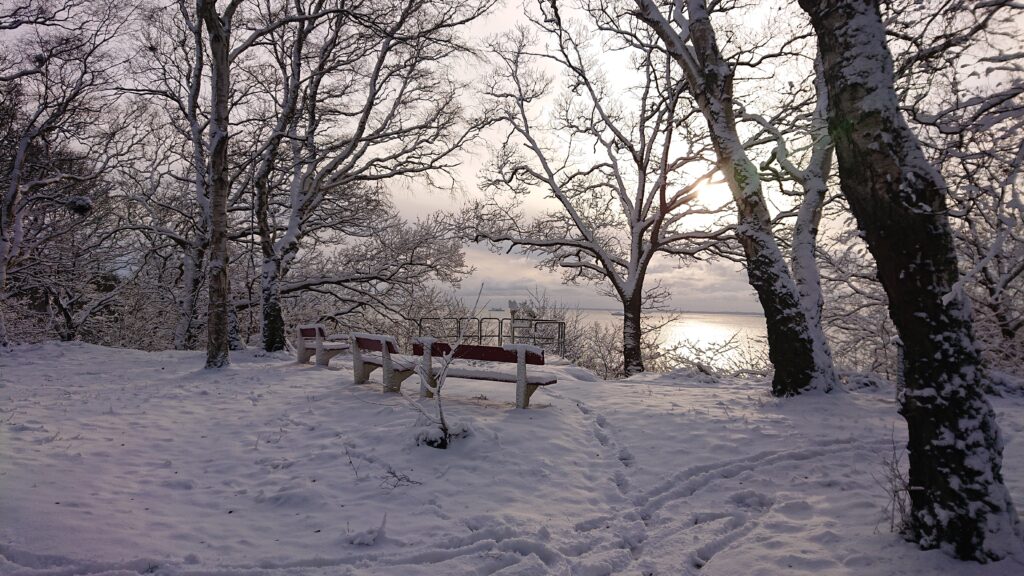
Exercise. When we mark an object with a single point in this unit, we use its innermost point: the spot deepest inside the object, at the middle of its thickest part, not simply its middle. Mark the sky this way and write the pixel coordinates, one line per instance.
(699, 287)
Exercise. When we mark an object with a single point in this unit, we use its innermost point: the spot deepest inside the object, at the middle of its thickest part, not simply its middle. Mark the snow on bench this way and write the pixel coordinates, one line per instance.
(518, 354)
(311, 339)
(382, 354)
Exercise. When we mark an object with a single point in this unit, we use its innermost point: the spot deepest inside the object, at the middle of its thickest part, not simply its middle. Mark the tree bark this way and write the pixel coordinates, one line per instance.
(632, 351)
(958, 500)
(790, 343)
(217, 342)
(11, 230)
(806, 274)
(235, 340)
(273, 331)
(192, 280)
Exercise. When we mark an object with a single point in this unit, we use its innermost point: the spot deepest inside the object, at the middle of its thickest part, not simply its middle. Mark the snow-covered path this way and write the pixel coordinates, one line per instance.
(119, 461)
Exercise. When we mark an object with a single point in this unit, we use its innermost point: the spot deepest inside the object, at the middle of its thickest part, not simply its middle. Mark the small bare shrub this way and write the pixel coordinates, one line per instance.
(896, 485)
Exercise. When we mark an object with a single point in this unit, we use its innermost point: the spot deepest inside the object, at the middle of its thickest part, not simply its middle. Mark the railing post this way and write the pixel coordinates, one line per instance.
(561, 339)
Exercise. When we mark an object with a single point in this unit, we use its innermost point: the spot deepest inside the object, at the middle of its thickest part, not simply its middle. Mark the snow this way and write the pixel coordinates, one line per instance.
(124, 462)
(528, 348)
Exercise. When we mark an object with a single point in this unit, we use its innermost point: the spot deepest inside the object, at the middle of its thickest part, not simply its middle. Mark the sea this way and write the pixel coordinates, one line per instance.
(703, 329)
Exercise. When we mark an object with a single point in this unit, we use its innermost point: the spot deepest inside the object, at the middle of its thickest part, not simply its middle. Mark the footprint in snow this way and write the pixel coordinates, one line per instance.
(626, 457)
(795, 509)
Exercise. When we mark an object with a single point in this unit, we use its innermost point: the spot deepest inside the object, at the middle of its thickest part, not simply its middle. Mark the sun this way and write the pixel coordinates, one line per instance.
(713, 194)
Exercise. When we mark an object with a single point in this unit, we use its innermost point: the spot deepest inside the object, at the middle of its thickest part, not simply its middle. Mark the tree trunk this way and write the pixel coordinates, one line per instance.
(235, 340)
(5, 249)
(192, 281)
(4, 338)
(790, 341)
(958, 500)
(791, 336)
(217, 342)
(807, 277)
(1007, 327)
(998, 306)
(11, 231)
(66, 328)
(273, 318)
(632, 351)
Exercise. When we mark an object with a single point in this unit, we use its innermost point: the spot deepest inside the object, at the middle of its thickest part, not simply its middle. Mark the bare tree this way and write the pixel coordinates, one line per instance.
(971, 131)
(357, 102)
(78, 279)
(958, 499)
(159, 195)
(32, 13)
(797, 345)
(624, 186)
(208, 50)
(57, 97)
(813, 182)
(376, 272)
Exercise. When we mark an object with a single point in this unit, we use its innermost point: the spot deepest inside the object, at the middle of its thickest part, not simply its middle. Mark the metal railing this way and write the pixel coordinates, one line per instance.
(547, 334)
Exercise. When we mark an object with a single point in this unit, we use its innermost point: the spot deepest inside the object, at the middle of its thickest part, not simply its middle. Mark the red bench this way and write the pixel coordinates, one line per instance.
(382, 353)
(518, 354)
(311, 339)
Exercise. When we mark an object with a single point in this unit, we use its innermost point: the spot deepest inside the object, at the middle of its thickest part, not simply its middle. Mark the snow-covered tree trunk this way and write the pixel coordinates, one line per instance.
(806, 274)
(632, 350)
(792, 337)
(11, 229)
(235, 340)
(958, 499)
(272, 325)
(271, 315)
(804, 263)
(188, 313)
(217, 342)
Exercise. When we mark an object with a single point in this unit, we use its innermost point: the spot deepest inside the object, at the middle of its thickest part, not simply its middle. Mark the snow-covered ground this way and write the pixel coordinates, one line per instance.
(119, 461)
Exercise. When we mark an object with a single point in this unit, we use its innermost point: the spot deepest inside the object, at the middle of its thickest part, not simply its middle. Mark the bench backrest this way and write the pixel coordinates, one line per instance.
(373, 345)
(475, 352)
(312, 331)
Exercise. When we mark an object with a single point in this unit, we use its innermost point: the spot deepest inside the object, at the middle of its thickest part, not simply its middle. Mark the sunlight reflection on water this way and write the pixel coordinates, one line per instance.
(705, 330)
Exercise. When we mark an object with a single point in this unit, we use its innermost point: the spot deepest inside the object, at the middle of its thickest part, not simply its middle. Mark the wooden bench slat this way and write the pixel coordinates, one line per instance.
(374, 345)
(334, 345)
(477, 352)
(398, 362)
(535, 378)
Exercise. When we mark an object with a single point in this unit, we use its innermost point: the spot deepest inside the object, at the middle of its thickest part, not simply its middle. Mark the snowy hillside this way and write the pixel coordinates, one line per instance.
(124, 462)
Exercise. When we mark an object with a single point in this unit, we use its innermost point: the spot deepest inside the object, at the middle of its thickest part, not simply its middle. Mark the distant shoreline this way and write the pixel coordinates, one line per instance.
(719, 312)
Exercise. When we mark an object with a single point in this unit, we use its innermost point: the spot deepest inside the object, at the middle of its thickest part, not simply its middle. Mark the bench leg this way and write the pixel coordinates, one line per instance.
(427, 378)
(426, 385)
(523, 394)
(393, 380)
(361, 373)
(302, 352)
